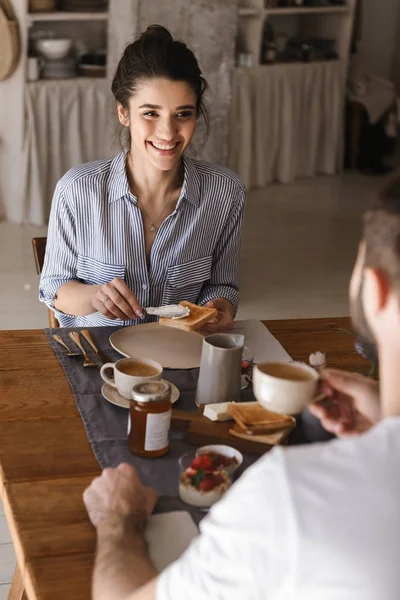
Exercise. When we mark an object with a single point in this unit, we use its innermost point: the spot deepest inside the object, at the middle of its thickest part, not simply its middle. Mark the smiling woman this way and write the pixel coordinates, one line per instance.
(149, 226)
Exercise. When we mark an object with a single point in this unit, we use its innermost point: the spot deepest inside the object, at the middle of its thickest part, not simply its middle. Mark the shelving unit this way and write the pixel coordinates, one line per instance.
(67, 16)
(308, 10)
(294, 10)
(89, 27)
(50, 82)
(70, 111)
(287, 117)
(333, 22)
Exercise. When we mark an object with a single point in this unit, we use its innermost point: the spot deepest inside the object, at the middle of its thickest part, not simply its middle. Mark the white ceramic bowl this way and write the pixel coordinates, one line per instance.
(278, 392)
(224, 451)
(54, 49)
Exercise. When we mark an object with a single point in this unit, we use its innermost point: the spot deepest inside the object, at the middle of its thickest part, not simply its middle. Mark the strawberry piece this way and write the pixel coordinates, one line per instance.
(201, 462)
(210, 482)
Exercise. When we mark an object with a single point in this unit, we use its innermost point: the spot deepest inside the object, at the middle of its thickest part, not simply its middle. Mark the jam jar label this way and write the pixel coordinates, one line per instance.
(157, 427)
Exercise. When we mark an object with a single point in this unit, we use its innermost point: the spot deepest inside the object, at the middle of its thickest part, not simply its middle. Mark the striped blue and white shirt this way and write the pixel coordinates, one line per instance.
(96, 234)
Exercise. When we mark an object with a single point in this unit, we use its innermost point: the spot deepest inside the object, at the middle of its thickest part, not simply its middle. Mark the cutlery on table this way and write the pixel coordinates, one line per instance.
(103, 358)
(60, 341)
(74, 335)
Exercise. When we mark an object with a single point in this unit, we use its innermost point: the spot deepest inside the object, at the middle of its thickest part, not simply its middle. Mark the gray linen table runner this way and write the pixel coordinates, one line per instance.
(106, 424)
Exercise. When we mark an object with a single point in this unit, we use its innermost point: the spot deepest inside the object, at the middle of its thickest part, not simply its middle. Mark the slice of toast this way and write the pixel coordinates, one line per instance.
(271, 439)
(253, 419)
(199, 316)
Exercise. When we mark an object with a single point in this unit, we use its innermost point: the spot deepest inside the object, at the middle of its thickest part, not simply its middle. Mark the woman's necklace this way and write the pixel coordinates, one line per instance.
(153, 224)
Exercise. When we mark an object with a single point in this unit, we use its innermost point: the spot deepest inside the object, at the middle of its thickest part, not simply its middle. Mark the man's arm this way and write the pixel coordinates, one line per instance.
(122, 563)
(118, 505)
(239, 553)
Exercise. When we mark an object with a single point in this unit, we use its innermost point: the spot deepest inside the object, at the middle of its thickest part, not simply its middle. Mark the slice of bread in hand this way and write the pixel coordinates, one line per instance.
(199, 316)
(253, 419)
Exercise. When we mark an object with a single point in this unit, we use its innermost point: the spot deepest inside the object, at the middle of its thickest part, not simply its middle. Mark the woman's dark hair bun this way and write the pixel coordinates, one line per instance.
(158, 31)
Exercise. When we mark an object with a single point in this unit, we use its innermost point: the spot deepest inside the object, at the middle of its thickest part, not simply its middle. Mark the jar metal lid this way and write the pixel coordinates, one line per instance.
(151, 391)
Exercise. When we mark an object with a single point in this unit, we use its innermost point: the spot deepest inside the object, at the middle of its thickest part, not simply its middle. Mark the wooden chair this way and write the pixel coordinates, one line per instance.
(39, 250)
(356, 109)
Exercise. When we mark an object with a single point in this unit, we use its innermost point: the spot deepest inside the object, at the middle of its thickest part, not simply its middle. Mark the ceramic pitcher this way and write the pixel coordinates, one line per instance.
(220, 369)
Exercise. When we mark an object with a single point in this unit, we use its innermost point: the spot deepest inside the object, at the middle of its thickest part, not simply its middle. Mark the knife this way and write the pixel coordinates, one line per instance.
(100, 355)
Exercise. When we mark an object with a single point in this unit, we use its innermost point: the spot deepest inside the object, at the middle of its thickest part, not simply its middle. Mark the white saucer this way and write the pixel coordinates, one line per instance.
(111, 395)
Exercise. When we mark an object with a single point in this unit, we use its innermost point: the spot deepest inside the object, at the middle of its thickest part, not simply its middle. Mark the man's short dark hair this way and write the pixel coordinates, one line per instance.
(382, 232)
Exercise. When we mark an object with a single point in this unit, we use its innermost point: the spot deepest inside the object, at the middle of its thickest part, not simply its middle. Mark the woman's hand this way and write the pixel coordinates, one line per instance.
(224, 319)
(352, 403)
(115, 300)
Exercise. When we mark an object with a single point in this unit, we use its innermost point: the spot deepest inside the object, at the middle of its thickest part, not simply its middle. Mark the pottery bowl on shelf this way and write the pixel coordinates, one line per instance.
(54, 49)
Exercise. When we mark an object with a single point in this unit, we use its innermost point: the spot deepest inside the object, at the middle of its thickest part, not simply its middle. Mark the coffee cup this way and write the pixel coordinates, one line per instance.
(285, 388)
(130, 371)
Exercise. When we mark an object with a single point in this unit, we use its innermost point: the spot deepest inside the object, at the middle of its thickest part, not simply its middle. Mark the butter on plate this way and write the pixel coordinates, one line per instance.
(218, 412)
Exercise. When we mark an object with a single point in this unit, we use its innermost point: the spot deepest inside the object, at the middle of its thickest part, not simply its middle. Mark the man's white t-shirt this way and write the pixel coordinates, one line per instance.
(319, 522)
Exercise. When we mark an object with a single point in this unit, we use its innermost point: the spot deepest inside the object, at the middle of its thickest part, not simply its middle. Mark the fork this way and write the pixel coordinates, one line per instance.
(60, 341)
(101, 356)
(74, 335)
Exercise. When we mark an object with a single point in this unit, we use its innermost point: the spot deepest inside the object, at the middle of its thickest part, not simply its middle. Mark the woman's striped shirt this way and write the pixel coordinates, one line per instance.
(96, 234)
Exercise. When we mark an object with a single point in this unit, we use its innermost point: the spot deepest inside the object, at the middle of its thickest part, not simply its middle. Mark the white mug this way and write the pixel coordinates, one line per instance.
(130, 371)
(285, 388)
(34, 66)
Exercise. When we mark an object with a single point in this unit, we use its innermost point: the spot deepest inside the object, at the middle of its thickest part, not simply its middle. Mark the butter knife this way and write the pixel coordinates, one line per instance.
(103, 358)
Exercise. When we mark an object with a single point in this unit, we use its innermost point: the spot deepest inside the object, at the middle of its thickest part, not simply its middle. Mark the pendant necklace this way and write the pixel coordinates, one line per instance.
(153, 226)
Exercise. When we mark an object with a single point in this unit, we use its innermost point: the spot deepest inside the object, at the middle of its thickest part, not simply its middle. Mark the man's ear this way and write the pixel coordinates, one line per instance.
(375, 292)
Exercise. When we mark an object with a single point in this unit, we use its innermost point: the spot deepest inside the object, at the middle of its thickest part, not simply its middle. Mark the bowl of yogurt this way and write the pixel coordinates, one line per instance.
(206, 475)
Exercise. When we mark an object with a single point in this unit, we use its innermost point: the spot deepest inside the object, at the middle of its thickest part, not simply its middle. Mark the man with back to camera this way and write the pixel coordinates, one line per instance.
(319, 522)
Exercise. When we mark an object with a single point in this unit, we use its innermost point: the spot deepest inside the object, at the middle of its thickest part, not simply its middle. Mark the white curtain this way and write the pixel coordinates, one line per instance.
(287, 121)
(65, 125)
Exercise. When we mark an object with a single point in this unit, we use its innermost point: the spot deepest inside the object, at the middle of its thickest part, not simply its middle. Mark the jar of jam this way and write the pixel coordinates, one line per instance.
(150, 419)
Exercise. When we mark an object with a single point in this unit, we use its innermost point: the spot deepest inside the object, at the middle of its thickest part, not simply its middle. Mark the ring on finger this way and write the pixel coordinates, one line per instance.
(105, 300)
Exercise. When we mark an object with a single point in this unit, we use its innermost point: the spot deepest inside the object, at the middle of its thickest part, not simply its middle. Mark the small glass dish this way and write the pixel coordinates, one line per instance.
(201, 485)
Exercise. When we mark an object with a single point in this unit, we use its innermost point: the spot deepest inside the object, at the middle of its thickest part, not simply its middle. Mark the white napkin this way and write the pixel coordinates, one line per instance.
(168, 535)
(261, 342)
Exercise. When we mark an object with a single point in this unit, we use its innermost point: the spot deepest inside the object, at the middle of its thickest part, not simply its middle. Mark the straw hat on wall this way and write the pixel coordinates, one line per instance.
(10, 45)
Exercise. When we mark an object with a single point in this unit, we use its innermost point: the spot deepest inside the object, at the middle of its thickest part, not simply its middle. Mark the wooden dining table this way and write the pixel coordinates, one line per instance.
(46, 461)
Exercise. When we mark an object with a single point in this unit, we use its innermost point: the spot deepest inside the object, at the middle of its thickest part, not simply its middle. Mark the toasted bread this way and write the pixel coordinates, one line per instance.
(270, 439)
(253, 419)
(199, 316)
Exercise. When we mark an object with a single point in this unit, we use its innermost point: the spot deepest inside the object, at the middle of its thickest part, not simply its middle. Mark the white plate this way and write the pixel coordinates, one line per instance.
(169, 346)
(111, 395)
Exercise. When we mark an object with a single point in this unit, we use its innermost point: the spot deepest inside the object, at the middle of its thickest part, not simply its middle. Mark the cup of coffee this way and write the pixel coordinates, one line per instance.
(284, 388)
(130, 371)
